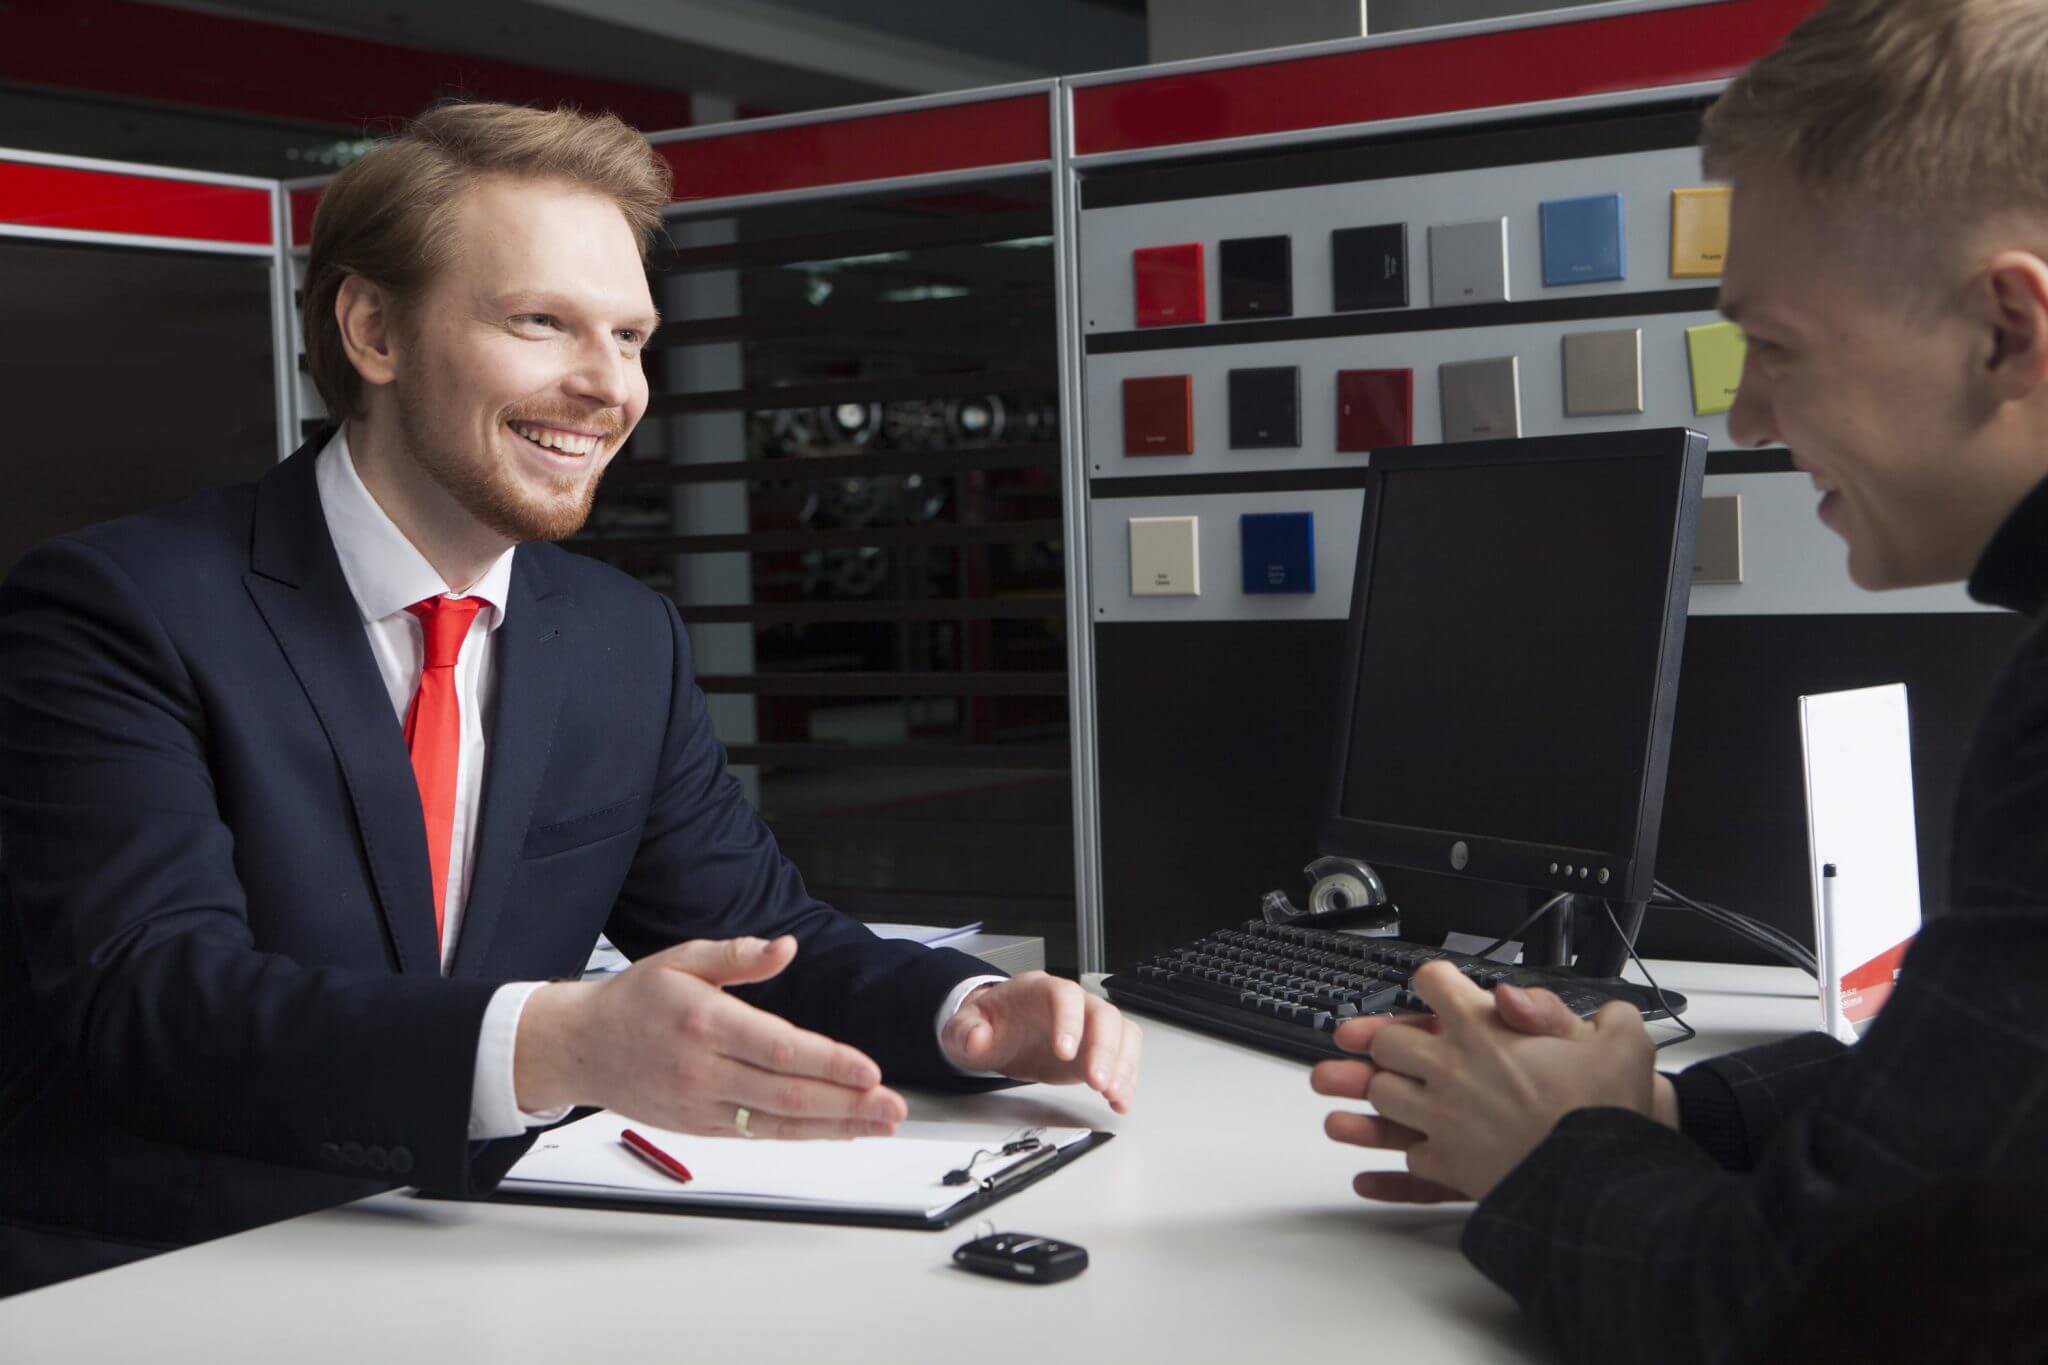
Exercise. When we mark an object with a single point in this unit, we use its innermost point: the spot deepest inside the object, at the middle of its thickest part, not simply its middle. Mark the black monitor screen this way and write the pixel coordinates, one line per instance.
(1508, 669)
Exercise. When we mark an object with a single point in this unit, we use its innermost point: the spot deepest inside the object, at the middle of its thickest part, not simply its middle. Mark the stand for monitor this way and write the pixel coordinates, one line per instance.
(1602, 953)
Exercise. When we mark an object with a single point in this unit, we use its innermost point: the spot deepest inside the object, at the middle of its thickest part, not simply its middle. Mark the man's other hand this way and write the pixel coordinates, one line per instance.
(1037, 1027)
(663, 1043)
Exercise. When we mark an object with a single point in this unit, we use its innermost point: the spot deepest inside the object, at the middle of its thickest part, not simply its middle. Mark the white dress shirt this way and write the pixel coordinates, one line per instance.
(386, 574)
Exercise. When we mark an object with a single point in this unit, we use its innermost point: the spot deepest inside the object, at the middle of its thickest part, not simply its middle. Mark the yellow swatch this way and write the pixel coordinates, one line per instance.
(1717, 349)
(1699, 232)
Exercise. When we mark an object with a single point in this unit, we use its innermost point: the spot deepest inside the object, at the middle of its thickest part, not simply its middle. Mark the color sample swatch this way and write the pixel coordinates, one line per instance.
(1170, 285)
(1482, 399)
(1468, 262)
(1716, 350)
(1699, 232)
(1582, 240)
(1279, 551)
(1159, 415)
(1265, 407)
(1166, 559)
(1603, 373)
(1369, 267)
(1375, 409)
(1257, 277)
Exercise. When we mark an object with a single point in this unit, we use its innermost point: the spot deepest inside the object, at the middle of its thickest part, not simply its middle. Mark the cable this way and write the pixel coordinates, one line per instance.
(1665, 888)
(1657, 990)
(1774, 944)
(1751, 928)
(1765, 936)
(1538, 913)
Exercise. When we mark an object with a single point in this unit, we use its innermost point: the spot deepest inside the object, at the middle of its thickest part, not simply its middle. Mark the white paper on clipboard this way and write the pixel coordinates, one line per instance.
(1859, 817)
(902, 1175)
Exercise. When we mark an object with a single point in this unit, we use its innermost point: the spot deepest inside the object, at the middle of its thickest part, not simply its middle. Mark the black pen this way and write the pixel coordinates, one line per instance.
(1031, 1162)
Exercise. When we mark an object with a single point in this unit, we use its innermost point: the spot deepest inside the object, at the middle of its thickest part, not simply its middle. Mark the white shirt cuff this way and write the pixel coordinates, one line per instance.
(494, 1110)
(950, 1006)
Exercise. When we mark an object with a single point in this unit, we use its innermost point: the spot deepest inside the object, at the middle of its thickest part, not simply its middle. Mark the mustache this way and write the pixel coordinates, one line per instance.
(609, 422)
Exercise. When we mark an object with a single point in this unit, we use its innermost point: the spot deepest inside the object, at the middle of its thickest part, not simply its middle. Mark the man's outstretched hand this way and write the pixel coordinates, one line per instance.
(1037, 1027)
(664, 1043)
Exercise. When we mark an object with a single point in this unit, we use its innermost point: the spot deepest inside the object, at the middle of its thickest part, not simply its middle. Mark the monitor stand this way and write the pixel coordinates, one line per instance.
(1601, 954)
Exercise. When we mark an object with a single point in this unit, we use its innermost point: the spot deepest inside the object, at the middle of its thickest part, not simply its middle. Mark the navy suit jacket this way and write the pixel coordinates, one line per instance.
(220, 1000)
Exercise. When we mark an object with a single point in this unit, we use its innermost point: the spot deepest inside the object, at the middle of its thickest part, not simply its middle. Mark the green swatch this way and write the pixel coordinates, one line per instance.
(1717, 349)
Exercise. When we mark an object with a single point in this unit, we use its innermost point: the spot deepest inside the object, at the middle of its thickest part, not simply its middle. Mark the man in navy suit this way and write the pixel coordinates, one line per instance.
(315, 793)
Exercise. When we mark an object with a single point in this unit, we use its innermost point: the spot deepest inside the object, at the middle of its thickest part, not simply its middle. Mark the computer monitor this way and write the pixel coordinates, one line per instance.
(1517, 617)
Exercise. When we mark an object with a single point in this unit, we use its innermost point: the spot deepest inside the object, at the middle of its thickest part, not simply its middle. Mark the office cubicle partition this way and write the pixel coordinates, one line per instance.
(141, 360)
(850, 482)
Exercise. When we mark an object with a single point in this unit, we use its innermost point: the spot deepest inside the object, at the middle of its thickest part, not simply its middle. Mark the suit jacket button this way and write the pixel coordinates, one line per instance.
(379, 1159)
(330, 1152)
(352, 1153)
(401, 1160)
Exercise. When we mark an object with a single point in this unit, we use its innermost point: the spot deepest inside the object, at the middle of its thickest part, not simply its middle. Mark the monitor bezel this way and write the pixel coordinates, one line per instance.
(1489, 857)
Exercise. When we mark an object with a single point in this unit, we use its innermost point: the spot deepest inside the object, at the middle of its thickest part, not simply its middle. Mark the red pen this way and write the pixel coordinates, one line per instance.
(654, 1156)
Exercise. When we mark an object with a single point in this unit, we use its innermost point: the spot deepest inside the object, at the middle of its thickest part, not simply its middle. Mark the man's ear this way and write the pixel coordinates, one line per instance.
(2014, 300)
(368, 332)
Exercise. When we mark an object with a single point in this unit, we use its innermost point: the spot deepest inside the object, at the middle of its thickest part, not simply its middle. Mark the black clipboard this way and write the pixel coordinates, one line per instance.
(991, 1189)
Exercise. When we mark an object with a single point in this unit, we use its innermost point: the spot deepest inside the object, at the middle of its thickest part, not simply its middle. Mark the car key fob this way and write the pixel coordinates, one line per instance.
(1021, 1256)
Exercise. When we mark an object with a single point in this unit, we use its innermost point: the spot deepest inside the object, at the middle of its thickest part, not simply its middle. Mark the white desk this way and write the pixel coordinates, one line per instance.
(1220, 1226)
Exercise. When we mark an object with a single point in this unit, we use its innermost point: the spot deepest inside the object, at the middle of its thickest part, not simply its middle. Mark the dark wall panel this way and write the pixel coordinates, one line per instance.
(1735, 809)
(1215, 741)
(1215, 746)
(131, 378)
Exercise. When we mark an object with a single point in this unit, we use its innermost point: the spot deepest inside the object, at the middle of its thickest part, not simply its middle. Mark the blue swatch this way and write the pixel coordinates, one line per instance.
(1279, 550)
(1582, 240)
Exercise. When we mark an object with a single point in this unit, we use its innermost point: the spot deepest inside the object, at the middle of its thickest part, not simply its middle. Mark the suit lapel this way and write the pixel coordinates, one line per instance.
(297, 585)
(532, 673)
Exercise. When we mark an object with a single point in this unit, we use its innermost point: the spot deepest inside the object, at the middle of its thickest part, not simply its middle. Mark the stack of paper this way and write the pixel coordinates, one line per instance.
(927, 934)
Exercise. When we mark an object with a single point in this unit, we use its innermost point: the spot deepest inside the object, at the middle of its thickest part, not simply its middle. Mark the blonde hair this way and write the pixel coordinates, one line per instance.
(389, 217)
(1923, 116)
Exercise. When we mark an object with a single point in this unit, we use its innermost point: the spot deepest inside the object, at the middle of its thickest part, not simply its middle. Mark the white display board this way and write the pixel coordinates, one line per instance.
(1859, 820)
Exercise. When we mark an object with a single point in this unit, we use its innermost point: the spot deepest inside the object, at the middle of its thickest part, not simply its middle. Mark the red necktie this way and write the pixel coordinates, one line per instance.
(433, 730)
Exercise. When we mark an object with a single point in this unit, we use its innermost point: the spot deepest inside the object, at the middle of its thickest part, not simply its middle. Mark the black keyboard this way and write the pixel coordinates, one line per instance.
(1284, 988)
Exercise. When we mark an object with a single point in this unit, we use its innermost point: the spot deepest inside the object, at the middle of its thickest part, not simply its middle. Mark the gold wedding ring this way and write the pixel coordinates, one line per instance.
(739, 1121)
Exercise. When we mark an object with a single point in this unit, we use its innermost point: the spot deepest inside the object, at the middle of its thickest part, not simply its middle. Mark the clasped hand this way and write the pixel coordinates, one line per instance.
(1470, 1091)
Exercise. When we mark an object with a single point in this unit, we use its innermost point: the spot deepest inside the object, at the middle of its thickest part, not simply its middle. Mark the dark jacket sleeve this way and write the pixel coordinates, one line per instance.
(707, 867)
(1626, 1241)
(1731, 1106)
(134, 947)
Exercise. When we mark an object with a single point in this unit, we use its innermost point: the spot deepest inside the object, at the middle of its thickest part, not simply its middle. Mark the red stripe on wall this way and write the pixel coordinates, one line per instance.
(1404, 80)
(303, 203)
(213, 61)
(103, 201)
(951, 137)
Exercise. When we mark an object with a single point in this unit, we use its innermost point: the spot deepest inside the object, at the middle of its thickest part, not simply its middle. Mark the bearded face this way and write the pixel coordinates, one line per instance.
(522, 374)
